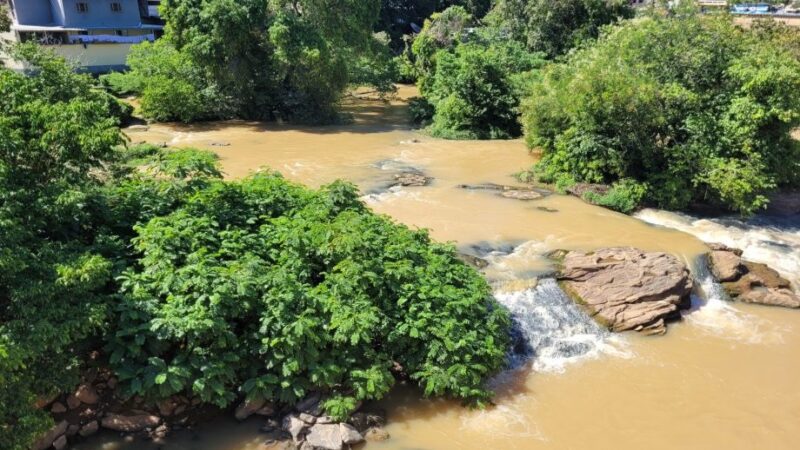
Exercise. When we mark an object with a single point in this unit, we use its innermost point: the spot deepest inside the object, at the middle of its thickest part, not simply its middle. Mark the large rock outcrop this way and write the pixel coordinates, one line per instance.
(627, 289)
(750, 282)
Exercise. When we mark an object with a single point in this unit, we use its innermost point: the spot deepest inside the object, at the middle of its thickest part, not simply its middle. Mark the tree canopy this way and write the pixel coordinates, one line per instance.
(692, 108)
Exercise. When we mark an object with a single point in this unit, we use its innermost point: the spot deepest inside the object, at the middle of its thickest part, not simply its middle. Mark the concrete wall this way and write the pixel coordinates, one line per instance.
(32, 12)
(100, 14)
(96, 58)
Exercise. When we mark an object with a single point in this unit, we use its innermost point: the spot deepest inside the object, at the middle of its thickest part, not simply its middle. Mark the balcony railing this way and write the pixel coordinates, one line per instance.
(109, 39)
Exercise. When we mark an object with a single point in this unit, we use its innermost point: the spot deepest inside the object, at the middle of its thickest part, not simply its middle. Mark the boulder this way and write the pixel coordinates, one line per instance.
(474, 261)
(248, 407)
(325, 437)
(129, 424)
(60, 443)
(312, 404)
(515, 192)
(376, 434)
(726, 265)
(350, 435)
(266, 410)
(363, 421)
(46, 441)
(627, 289)
(86, 394)
(167, 407)
(750, 282)
(73, 429)
(771, 297)
(411, 179)
(73, 402)
(58, 408)
(89, 429)
(294, 426)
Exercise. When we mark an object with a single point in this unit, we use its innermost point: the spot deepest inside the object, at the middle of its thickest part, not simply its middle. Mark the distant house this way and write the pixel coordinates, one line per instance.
(96, 34)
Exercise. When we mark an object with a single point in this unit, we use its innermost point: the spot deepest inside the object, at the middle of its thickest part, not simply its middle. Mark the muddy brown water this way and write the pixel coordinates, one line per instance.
(723, 378)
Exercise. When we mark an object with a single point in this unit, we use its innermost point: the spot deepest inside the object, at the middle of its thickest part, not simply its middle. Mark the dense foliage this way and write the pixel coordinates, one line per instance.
(265, 288)
(692, 108)
(251, 58)
(555, 27)
(56, 134)
(398, 17)
(213, 289)
(471, 79)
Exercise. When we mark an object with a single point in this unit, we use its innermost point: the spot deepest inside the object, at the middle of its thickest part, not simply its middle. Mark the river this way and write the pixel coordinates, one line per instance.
(723, 378)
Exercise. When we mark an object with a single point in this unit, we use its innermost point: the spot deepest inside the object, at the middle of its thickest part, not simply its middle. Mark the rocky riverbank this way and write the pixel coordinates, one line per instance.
(97, 404)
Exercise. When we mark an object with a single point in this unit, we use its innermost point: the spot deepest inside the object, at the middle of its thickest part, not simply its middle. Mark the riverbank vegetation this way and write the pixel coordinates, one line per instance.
(690, 109)
(182, 283)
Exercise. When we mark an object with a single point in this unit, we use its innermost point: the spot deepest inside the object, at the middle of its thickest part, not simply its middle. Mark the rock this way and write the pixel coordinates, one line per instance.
(42, 402)
(73, 429)
(627, 289)
(60, 443)
(724, 248)
(167, 407)
(248, 407)
(771, 297)
(376, 434)
(46, 441)
(474, 261)
(411, 179)
(581, 189)
(308, 418)
(325, 437)
(220, 144)
(515, 192)
(112, 383)
(278, 445)
(271, 425)
(266, 410)
(137, 128)
(73, 402)
(324, 419)
(756, 276)
(129, 424)
(86, 394)
(310, 405)
(726, 265)
(362, 420)
(349, 434)
(58, 408)
(294, 426)
(521, 194)
(89, 429)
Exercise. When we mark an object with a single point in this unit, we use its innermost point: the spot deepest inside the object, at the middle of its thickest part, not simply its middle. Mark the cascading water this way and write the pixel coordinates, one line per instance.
(770, 240)
(714, 312)
(552, 331)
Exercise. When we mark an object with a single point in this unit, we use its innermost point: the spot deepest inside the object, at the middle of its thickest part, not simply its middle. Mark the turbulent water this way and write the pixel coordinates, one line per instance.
(723, 378)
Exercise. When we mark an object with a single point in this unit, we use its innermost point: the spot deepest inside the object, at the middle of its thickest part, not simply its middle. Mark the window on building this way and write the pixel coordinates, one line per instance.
(83, 7)
(116, 6)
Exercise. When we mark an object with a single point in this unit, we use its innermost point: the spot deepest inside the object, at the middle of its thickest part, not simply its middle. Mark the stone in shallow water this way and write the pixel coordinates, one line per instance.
(627, 289)
(325, 437)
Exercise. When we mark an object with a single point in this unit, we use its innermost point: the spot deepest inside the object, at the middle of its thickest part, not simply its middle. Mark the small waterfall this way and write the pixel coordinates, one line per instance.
(771, 240)
(714, 312)
(551, 330)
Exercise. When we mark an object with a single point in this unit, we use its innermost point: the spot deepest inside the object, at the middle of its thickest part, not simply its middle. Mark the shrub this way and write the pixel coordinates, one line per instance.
(474, 93)
(693, 107)
(264, 288)
(624, 196)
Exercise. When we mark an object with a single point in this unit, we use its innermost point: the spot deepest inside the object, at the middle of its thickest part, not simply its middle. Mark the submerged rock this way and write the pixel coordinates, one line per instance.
(474, 261)
(129, 424)
(411, 179)
(46, 441)
(750, 282)
(248, 407)
(514, 192)
(627, 289)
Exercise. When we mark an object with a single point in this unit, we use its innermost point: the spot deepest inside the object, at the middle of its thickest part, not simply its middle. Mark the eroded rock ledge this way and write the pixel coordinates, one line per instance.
(625, 288)
(750, 282)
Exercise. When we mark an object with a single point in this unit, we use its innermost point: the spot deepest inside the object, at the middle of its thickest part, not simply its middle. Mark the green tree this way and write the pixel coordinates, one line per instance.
(554, 27)
(693, 108)
(57, 136)
(476, 90)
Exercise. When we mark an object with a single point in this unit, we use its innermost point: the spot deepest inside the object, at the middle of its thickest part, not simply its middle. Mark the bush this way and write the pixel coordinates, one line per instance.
(474, 91)
(693, 107)
(624, 196)
(267, 289)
